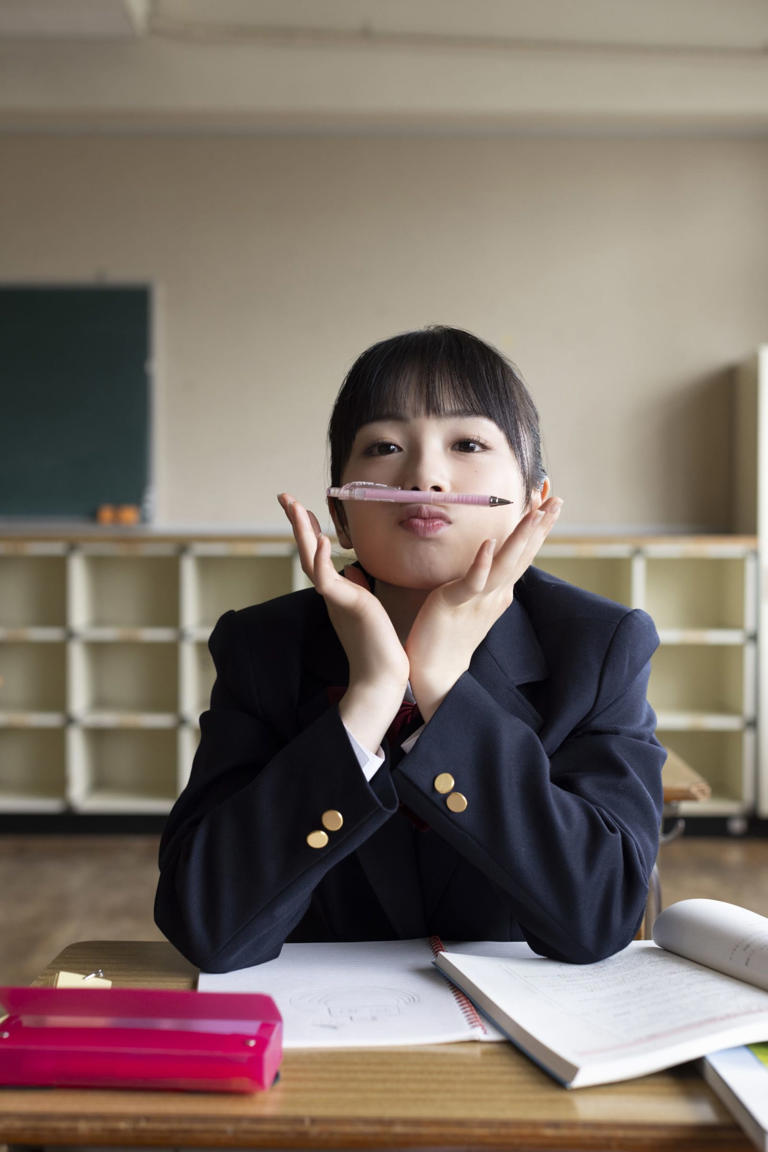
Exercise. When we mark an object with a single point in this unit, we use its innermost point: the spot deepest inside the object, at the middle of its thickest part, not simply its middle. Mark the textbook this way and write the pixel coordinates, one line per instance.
(699, 986)
(382, 993)
(739, 1076)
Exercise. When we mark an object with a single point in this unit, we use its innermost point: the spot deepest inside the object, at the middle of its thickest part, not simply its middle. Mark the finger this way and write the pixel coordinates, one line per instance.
(476, 576)
(315, 523)
(327, 579)
(542, 523)
(520, 548)
(304, 534)
(324, 571)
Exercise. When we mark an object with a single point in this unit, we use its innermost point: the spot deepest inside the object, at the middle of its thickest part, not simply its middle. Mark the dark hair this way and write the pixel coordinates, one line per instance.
(437, 371)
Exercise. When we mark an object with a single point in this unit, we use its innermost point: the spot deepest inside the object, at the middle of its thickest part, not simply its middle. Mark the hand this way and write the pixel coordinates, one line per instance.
(378, 665)
(458, 615)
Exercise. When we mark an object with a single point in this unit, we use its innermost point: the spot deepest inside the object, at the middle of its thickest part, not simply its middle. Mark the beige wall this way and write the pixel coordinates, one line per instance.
(625, 277)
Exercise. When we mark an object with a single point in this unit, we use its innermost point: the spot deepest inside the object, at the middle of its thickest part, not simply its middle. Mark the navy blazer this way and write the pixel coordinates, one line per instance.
(548, 735)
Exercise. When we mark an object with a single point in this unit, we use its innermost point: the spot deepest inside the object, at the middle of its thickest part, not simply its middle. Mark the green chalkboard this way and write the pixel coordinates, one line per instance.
(74, 400)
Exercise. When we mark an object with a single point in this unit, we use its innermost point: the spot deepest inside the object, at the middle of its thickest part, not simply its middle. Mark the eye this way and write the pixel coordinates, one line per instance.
(470, 444)
(381, 448)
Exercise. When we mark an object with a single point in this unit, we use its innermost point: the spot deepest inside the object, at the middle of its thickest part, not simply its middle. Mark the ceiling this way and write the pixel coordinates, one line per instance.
(383, 65)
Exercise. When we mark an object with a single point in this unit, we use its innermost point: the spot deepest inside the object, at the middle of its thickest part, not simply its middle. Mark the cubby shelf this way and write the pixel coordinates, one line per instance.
(104, 665)
(702, 593)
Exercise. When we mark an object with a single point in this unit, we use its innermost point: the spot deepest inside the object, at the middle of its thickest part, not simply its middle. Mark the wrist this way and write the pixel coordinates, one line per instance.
(368, 710)
(429, 690)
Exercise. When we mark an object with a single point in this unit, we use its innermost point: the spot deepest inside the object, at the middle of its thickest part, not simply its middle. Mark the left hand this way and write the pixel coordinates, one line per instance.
(457, 616)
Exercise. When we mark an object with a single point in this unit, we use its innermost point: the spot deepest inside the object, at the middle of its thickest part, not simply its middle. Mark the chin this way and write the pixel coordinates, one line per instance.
(418, 578)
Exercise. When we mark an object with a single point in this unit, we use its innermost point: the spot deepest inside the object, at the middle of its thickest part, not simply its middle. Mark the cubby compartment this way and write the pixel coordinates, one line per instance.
(123, 769)
(33, 590)
(125, 677)
(216, 583)
(699, 593)
(609, 576)
(124, 590)
(32, 769)
(198, 675)
(726, 761)
(33, 678)
(705, 683)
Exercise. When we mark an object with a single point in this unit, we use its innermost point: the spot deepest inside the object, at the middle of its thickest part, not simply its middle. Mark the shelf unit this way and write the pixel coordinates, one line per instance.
(104, 666)
(702, 593)
(750, 514)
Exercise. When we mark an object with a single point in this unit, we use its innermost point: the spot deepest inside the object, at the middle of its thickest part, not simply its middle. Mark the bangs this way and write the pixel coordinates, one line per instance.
(423, 375)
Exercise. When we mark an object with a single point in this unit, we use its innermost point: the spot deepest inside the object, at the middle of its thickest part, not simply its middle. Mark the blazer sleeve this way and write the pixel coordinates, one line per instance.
(236, 871)
(569, 833)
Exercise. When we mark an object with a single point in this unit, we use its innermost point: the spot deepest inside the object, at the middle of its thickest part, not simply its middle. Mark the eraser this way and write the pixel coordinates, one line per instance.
(74, 980)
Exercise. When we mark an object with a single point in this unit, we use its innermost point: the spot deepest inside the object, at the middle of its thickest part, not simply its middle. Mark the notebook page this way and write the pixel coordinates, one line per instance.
(366, 994)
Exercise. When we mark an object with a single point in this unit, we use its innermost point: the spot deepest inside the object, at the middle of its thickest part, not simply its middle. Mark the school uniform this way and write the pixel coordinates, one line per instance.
(528, 807)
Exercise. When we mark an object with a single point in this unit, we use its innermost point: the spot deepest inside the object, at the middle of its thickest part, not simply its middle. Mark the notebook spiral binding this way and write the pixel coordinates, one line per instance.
(465, 1005)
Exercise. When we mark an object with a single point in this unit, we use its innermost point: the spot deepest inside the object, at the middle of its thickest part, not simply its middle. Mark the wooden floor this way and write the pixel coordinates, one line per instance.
(55, 890)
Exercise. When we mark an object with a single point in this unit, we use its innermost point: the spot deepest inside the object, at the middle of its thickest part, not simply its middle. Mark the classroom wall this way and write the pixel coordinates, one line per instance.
(624, 276)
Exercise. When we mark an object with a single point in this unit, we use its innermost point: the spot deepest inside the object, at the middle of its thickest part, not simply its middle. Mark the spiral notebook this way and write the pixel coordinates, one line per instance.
(369, 994)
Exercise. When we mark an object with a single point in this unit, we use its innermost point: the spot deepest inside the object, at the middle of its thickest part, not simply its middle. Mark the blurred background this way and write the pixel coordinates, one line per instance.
(286, 181)
(582, 185)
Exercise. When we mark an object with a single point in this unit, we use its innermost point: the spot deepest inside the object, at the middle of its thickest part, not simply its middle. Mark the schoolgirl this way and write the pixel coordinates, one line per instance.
(442, 738)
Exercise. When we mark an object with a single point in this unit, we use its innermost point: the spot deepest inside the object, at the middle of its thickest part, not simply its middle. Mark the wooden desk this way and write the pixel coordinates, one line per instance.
(450, 1096)
(681, 782)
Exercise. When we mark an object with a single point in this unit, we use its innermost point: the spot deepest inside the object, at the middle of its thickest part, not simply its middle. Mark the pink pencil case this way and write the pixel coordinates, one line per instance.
(139, 1038)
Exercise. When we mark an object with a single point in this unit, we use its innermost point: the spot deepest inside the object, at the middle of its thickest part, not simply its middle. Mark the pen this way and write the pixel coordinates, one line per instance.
(367, 490)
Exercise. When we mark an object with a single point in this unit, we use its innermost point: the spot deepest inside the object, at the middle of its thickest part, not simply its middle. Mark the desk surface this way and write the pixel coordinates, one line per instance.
(452, 1096)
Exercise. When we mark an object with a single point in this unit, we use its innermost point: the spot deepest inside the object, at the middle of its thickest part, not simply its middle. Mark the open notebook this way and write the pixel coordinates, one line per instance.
(368, 994)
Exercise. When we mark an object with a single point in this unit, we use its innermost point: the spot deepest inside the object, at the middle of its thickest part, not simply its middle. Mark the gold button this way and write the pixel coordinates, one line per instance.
(317, 839)
(457, 801)
(332, 820)
(444, 782)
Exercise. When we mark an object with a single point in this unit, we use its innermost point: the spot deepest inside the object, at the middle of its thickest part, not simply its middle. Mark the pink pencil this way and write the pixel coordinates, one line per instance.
(367, 490)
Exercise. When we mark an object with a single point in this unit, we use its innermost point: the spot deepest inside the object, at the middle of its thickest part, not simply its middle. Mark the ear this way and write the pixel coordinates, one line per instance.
(339, 522)
(539, 495)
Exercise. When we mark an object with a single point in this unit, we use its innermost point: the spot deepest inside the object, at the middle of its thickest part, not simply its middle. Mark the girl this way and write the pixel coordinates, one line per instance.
(522, 799)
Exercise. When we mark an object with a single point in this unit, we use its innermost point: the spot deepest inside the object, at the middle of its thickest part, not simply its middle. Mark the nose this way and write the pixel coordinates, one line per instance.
(427, 473)
(425, 465)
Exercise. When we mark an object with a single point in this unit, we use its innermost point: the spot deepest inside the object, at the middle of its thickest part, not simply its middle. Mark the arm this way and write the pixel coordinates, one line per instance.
(564, 822)
(237, 873)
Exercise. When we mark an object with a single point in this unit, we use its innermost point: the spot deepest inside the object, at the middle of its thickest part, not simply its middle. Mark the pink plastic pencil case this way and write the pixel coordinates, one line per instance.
(139, 1038)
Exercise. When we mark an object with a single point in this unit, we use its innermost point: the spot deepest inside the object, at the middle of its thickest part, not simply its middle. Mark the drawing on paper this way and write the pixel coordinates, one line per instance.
(340, 1007)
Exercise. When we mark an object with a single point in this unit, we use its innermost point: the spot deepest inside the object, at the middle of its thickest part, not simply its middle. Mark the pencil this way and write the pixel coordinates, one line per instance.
(363, 490)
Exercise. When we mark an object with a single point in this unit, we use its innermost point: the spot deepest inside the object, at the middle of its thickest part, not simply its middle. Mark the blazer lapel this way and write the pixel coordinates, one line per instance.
(324, 665)
(511, 656)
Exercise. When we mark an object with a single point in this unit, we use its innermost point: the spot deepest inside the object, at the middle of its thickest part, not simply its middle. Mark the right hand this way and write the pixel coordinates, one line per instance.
(378, 665)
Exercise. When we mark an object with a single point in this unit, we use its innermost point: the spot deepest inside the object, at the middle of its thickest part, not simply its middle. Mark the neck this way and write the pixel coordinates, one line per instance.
(401, 604)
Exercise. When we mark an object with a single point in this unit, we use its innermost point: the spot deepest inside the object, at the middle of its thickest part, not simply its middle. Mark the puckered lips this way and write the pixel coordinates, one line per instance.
(424, 519)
